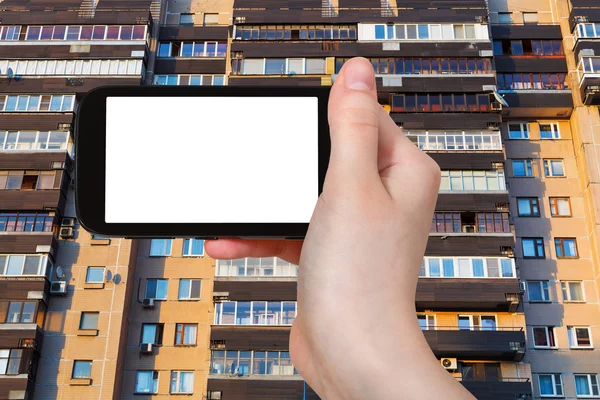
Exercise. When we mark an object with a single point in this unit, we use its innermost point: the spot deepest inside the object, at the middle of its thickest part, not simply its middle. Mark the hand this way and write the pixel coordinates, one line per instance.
(356, 335)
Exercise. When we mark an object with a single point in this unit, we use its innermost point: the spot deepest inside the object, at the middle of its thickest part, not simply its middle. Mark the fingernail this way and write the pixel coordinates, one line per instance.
(358, 78)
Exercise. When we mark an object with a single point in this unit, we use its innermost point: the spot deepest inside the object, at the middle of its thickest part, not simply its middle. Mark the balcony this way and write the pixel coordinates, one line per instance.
(588, 74)
(468, 294)
(252, 337)
(260, 387)
(583, 12)
(502, 389)
(501, 344)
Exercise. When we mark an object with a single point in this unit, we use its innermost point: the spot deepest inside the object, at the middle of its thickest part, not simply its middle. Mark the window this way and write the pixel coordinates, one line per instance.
(445, 102)
(538, 291)
(10, 32)
(252, 363)
(211, 19)
(189, 289)
(82, 369)
(21, 264)
(566, 248)
(68, 68)
(94, 275)
(214, 395)
(79, 32)
(10, 361)
(586, 385)
(425, 66)
(146, 382)
(26, 222)
(182, 382)
(34, 141)
(505, 18)
(522, 168)
(193, 247)
(483, 372)
(493, 223)
(477, 322)
(530, 18)
(550, 385)
(255, 313)
(185, 334)
(35, 103)
(472, 181)
(579, 336)
(152, 333)
(192, 49)
(160, 247)
(543, 336)
(426, 321)
(533, 248)
(560, 207)
(572, 291)
(518, 130)
(457, 140)
(89, 320)
(446, 222)
(22, 312)
(267, 266)
(157, 289)
(448, 267)
(528, 207)
(549, 131)
(554, 168)
(186, 19)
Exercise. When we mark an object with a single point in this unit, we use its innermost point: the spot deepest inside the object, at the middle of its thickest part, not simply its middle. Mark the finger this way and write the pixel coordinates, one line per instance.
(226, 249)
(354, 126)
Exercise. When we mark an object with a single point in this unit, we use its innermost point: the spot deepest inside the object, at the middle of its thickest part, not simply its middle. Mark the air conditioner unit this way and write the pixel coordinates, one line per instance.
(240, 20)
(507, 251)
(66, 233)
(67, 221)
(57, 165)
(468, 228)
(28, 343)
(495, 106)
(146, 348)
(522, 287)
(449, 363)
(148, 303)
(493, 125)
(58, 288)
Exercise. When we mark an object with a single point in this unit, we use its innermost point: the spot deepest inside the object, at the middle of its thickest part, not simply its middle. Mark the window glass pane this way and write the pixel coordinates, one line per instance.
(89, 320)
(82, 369)
(15, 265)
(95, 275)
(478, 268)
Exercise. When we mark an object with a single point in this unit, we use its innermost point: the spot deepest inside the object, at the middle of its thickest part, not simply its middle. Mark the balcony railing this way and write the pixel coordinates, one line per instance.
(464, 141)
(473, 328)
(588, 67)
(499, 379)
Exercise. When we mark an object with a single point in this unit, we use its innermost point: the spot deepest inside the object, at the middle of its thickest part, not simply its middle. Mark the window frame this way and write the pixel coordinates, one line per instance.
(167, 247)
(591, 386)
(544, 287)
(554, 130)
(536, 245)
(555, 384)
(565, 287)
(158, 333)
(75, 363)
(189, 243)
(178, 374)
(13, 359)
(533, 203)
(180, 329)
(524, 130)
(573, 339)
(158, 280)
(527, 167)
(554, 209)
(549, 334)
(94, 268)
(22, 304)
(549, 168)
(154, 381)
(189, 295)
(559, 243)
(82, 317)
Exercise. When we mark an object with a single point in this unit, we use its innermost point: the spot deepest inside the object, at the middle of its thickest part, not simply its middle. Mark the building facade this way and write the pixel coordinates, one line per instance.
(504, 96)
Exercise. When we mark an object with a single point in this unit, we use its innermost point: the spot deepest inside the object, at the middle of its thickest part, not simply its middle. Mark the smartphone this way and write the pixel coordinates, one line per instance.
(200, 161)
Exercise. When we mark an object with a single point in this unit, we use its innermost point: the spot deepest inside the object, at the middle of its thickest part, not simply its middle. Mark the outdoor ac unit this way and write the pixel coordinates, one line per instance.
(146, 348)
(58, 288)
(522, 287)
(449, 363)
(148, 303)
(68, 221)
(66, 233)
(468, 228)
(495, 106)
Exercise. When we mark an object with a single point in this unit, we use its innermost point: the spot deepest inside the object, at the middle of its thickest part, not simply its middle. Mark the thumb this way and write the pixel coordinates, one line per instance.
(354, 127)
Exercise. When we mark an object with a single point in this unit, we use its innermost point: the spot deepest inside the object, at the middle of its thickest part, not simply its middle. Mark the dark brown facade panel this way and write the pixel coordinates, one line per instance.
(252, 337)
(110, 49)
(78, 85)
(476, 245)
(454, 84)
(26, 243)
(498, 390)
(477, 345)
(581, 8)
(445, 121)
(470, 201)
(190, 66)
(16, 289)
(11, 385)
(268, 81)
(353, 48)
(34, 121)
(24, 14)
(9, 338)
(590, 44)
(34, 161)
(179, 33)
(257, 290)
(466, 161)
(31, 200)
(526, 32)
(538, 104)
(531, 64)
(246, 388)
(458, 294)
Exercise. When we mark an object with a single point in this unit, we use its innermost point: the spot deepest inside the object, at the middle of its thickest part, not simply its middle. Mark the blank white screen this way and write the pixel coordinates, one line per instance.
(211, 159)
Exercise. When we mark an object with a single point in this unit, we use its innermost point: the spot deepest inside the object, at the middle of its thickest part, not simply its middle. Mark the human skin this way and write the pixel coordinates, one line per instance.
(356, 335)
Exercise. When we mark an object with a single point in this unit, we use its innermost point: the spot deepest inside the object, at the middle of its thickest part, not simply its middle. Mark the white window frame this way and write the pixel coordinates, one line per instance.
(168, 248)
(189, 293)
(43, 264)
(548, 329)
(178, 375)
(499, 175)
(154, 381)
(219, 313)
(564, 286)
(572, 335)
(479, 327)
(555, 384)
(457, 270)
(524, 130)
(591, 386)
(190, 253)
(554, 129)
(547, 162)
(541, 285)
(430, 320)
(87, 272)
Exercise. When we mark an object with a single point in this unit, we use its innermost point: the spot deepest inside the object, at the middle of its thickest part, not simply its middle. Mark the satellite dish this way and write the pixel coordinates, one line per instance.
(117, 279)
(59, 273)
(109, 275)
(10, 73)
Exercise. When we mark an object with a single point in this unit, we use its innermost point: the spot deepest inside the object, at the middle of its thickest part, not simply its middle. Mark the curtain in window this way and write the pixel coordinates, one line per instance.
(582, 387)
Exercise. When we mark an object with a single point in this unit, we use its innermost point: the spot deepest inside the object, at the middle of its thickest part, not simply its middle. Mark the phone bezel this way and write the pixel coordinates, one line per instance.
(90, 162)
